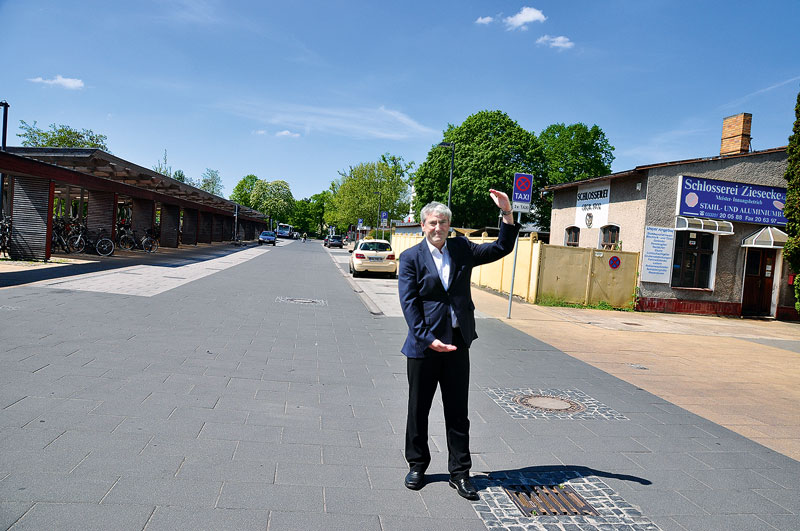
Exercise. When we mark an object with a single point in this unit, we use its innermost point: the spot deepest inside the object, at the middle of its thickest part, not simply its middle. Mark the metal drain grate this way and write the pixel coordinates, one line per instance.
(549, 500)
(301, 300)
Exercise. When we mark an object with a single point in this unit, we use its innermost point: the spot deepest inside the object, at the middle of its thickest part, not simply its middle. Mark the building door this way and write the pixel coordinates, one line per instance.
(759, 272)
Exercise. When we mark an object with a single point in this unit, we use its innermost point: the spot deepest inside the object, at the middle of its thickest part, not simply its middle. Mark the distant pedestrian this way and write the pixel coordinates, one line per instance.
(434, 287)
(304, 237)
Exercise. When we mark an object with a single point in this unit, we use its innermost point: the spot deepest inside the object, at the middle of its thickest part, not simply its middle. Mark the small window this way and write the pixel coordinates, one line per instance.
(691, 263)
(573, 236)
(610, 237)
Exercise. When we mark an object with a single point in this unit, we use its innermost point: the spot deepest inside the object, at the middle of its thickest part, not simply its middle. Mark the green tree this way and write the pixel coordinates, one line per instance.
(366, 189)
(572, 153)
(163, 167)
(301, 217)
(178, 175)
(490, 148)
(211, 182)
(273, 198)
(243, 190)
(792, 209)
(575, 152)
(60, 136)
(318, 205)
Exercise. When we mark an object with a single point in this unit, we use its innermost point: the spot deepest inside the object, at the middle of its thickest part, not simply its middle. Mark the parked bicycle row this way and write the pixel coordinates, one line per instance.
(70, 235)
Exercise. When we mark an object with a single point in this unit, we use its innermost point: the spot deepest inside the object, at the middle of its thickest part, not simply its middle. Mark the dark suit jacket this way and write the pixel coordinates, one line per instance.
(425, 302)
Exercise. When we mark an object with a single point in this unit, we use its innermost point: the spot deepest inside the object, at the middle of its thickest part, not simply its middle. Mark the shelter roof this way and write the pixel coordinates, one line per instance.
(102, 164)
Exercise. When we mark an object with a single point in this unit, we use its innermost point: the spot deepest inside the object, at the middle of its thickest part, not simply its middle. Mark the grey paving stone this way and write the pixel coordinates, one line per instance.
(226, 416)
(10, 512)
(288, 453)
(85, 517)
(326, 437)
(265, 496)
(301, 521)
(726, 522)
(179, 428)
(781, 521)
(729, 460)
(171, 518)
(343, 455)
(789, 499)
(35, 487)
(667, 461)
(405, 523)
(201, 468)
(374, 501)
(161, 445)
(152, 491)
(235, 432)
(56, 461)
(323, 475)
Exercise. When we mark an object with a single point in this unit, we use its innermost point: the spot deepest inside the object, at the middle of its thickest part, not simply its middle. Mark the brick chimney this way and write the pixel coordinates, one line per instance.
(736, 134)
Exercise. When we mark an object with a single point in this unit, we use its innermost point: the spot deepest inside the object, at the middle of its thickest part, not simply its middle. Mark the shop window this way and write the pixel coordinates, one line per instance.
(610, 237)
(573, 236)
(691, 263)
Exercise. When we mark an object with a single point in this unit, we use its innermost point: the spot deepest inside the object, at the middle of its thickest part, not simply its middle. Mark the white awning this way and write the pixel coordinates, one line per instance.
(714, 226)
(766, 237)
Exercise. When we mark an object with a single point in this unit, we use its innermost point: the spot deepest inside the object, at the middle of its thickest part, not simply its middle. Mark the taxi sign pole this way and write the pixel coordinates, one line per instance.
(514, 267)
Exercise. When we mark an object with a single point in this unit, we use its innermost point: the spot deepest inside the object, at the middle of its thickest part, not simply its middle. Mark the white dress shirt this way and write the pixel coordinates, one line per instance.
(442, 261)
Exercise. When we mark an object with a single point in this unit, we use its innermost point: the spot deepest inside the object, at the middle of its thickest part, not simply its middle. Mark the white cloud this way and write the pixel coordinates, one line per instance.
(484, 20)
(287, 133)
(357, 122)
(525, 16)
(66, 82)
(260, 132)
(555, 42)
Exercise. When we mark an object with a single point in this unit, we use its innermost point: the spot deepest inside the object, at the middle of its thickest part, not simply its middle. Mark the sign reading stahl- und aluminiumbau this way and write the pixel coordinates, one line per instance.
(746, 203)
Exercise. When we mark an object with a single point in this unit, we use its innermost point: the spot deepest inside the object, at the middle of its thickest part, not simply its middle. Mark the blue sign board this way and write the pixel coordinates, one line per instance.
(731, 201)
(384, 218)
(523, 185)
(360, 222)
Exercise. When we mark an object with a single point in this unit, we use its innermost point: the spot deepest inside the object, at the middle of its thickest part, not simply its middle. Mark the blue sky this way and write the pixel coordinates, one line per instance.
(301, 90)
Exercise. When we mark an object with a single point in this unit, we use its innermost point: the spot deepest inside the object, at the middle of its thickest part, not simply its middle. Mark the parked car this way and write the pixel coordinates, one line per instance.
(373, 256)
(335, 241)
(267, 237)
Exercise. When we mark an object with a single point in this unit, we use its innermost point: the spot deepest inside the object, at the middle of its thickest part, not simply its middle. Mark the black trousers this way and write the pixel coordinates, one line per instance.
(450, 371)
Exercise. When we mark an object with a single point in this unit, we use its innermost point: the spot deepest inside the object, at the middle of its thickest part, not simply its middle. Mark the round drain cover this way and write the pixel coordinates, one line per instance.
(555, 404)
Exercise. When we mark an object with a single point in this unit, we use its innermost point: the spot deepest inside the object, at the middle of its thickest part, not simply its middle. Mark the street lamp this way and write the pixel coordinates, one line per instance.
(452, 146)
(378, 218)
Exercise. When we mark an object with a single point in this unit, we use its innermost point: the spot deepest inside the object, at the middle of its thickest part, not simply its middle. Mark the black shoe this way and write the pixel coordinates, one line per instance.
(415, 479)
(465, 488)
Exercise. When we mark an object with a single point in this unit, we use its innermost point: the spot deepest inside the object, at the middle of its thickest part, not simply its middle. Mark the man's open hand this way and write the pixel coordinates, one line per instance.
(438, 346)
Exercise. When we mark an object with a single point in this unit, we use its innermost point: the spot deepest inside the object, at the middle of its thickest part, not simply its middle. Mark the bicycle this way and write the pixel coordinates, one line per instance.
(102, 244)
(5, 234)
(60, 235)
(146, 243)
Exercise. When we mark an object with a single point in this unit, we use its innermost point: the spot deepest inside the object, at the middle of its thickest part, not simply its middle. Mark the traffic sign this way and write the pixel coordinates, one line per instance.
(360, 222)
(614, 262)
(521, 197)
(384, 218)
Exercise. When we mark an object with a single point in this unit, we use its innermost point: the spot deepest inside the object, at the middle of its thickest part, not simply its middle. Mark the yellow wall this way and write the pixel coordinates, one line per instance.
(574, 274)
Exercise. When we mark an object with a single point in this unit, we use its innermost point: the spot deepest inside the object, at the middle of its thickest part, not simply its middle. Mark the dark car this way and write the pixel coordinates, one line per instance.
(335, 241)
(267, 237)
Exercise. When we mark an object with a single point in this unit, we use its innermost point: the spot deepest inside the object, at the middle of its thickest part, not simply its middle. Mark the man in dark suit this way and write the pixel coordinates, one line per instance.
(434, 287)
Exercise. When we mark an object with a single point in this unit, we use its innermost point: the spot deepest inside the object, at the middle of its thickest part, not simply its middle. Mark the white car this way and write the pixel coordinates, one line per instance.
(373, 256)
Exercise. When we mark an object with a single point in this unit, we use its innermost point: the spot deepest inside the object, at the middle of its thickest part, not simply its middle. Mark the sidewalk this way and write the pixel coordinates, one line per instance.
(252, 390)
(739, 373)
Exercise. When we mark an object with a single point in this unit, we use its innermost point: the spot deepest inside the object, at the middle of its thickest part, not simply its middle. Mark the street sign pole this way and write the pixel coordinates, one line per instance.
(521, 196)
(513, 268)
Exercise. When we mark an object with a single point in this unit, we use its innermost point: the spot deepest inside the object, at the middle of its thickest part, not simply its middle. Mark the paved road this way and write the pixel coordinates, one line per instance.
(266, 395)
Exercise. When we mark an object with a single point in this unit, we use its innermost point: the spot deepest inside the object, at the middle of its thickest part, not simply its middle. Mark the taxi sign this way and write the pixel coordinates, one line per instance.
(523, 191)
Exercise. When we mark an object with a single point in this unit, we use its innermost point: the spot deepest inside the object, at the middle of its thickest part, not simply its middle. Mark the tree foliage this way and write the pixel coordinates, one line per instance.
(242, 192)
(368, 188)
(792, 209)
(301, 217)
(178, 175)
(489, 148)
(60, 136)
(575, 152)
(273, 198)
(572, 153)
(211, 182)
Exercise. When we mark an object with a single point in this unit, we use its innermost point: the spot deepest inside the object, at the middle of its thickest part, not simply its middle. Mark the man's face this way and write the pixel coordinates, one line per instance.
(436, 227)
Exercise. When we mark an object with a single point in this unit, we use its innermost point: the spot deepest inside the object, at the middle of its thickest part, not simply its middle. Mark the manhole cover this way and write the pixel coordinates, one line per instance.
(549, 403)
(301, 300)
(549, 500)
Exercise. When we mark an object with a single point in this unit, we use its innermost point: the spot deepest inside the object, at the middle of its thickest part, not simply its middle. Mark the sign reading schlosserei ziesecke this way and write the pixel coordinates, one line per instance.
(731, 201)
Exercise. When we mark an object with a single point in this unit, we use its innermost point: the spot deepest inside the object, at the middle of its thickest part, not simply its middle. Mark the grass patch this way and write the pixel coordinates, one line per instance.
(561, 303)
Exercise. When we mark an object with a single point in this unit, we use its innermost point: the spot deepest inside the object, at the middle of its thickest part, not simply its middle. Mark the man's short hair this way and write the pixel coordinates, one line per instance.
(436, 209)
